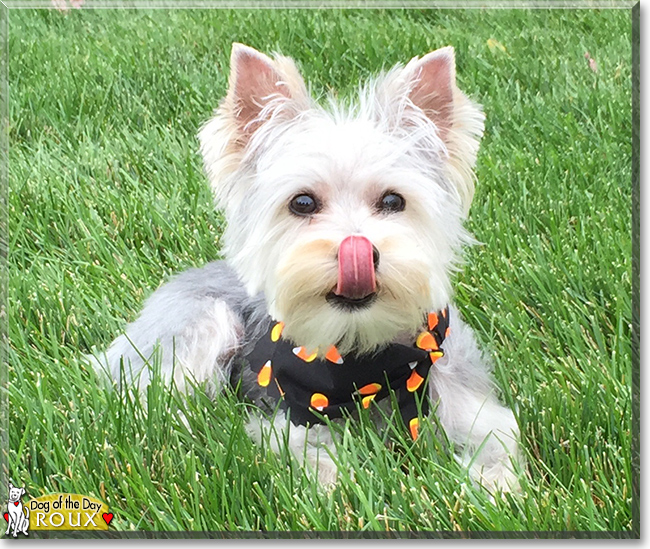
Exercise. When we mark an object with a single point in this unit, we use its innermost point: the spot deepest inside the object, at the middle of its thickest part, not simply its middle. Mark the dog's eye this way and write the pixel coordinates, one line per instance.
(303, 204)
(392, 202)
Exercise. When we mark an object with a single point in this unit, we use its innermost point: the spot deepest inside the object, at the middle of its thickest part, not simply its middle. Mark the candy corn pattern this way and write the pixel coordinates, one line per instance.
(276, 331)
(319, 401)
(304, 381)
(427, 342)
(333, 355)
(264, 375)
(414, 426)
(432, 320)
(368, 393)
(414, 381)
(304, 354)
(370, 389)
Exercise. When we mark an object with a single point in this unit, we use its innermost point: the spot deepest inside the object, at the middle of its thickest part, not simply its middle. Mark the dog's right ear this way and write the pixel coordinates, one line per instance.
(260, 90)
(11, 486)
(259, 86)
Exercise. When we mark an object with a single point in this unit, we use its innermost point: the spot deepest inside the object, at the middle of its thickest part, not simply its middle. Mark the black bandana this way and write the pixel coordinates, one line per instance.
(302, 383)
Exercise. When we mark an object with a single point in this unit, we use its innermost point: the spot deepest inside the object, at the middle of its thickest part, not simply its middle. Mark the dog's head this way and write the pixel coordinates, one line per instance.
(348, 217)
(15, 493)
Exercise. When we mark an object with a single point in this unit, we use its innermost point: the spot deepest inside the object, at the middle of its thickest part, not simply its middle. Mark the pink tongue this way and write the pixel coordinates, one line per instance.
(356, 268)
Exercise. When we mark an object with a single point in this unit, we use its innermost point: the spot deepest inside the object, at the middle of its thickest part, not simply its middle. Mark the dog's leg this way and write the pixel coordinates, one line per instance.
(190, 325)
(313, 446)
(200, 349)
(471, 414)
(8, 524)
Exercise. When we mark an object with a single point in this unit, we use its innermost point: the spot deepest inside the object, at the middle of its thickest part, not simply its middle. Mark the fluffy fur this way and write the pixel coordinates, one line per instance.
(411, 131)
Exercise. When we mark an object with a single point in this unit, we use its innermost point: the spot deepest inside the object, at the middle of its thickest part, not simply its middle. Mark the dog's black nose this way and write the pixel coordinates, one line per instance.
(375, 256)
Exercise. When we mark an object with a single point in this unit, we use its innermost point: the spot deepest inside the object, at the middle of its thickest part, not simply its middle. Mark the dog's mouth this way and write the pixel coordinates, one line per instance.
(356, 287)
(349, 303)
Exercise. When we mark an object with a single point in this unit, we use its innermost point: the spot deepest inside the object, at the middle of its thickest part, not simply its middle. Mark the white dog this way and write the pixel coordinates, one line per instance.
(344, 223)
(17, 517)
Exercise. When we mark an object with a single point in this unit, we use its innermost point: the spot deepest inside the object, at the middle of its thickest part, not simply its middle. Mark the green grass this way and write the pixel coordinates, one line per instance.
(107, 198)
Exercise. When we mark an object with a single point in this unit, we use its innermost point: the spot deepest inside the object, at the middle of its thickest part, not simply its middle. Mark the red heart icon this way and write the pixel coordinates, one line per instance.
(16, 503)
(108, 517)
(7, 517)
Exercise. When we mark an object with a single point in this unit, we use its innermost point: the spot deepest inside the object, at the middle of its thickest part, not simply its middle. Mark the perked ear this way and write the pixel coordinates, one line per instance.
(260, 89)
(429, 84)
(256, 83)
(433, 79)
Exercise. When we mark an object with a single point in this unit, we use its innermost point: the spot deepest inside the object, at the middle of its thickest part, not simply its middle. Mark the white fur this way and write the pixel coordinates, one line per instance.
(269, 142)
(470, 413)
(188, 333)
(313, 446)
(347, 155)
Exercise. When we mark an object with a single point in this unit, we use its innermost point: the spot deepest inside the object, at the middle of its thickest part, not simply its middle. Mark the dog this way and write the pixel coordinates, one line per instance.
(344, 225)
(16, 516)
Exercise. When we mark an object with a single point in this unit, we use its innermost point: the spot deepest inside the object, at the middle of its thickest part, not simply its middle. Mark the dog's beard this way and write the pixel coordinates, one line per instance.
(308, 274)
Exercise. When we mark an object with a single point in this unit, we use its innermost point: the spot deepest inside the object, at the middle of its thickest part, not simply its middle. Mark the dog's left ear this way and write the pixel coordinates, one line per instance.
(428, 84)
(432, 80)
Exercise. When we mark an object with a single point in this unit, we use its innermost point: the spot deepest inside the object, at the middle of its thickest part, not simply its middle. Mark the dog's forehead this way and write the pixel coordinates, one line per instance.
(343, 156)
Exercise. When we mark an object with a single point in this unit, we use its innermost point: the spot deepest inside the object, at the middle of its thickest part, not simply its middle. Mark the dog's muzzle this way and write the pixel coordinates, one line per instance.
(358, 259)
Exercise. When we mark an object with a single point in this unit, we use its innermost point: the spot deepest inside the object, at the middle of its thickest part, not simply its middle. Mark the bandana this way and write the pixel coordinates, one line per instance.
(304, 384)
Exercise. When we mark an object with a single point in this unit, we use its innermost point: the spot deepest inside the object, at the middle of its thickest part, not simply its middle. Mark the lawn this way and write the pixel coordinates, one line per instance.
(106, 198)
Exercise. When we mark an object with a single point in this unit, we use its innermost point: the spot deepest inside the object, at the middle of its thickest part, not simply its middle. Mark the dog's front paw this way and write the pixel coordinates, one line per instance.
(325, 469)
(500, 475)
(496, 478)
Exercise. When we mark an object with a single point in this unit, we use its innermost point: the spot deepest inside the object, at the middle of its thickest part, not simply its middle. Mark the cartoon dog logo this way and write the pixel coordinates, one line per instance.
(16, 516)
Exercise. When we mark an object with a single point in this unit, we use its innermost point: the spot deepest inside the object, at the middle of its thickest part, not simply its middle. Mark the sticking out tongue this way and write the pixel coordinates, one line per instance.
(356, 268)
